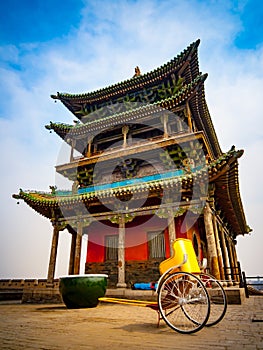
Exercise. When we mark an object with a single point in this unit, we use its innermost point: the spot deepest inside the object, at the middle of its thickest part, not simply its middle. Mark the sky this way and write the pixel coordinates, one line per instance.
(78, 46)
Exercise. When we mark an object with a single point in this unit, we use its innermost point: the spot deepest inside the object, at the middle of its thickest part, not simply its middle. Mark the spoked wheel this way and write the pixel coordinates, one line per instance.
(218, 300)
(183, 302)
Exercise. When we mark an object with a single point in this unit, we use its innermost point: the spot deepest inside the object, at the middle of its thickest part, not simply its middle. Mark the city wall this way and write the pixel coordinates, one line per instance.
(39, 291)
(30, 290)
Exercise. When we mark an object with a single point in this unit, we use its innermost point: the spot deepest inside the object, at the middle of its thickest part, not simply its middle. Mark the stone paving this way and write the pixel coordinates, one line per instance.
(114, 326)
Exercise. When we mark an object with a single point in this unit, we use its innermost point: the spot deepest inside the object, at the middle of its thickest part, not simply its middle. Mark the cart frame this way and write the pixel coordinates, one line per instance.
(187, 298)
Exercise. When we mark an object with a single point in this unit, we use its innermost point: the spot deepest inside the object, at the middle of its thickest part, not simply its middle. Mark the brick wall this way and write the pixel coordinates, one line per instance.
(29, 291)
(135, 271)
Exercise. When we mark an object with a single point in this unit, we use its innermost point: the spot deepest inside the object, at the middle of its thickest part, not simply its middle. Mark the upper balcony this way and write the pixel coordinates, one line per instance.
(152, 155)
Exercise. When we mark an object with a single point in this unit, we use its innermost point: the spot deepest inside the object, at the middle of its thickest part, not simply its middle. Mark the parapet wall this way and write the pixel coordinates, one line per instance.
(21, 283)
(40, 292)
(30, 290)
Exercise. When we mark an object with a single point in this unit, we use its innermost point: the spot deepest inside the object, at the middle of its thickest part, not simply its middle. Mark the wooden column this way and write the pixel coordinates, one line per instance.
(78, 249)
(72, 254)
(89, 148)
(179, 123)
(125, 130)
(235, 262)
(225, 256)
(218, 248)
(95, 146)
(231, 258)
(189, 118)
(121, 254)
(73, 144)
(171, 230)
(165, 126)
(53, 257)
(84, 250)
(211, 243)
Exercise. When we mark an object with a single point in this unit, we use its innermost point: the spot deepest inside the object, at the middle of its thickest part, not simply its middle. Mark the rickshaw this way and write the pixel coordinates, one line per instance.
(187, 298)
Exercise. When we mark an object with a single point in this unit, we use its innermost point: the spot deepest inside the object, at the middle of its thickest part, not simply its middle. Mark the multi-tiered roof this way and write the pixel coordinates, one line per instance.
(172, 86)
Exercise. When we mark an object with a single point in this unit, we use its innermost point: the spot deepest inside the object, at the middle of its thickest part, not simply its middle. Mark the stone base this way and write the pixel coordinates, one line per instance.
(235, 295)
(7, 294)
(126, 293)
(41, 296)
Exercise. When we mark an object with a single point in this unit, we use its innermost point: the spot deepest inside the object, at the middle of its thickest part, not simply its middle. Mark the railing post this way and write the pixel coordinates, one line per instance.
(245, 284)
(239, 273)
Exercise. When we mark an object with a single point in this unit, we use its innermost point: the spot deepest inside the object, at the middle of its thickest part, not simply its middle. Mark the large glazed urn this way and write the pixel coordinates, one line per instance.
(82, 291)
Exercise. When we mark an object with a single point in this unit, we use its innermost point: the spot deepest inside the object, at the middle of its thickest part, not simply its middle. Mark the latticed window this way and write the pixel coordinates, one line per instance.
(111, 243)
(156, 244)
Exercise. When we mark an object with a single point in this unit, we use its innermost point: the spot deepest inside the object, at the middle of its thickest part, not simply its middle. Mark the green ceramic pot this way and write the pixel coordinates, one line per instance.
(82, 291)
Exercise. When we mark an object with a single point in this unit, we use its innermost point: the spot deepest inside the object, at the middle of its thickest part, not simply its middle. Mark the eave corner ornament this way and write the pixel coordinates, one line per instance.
(137, 72)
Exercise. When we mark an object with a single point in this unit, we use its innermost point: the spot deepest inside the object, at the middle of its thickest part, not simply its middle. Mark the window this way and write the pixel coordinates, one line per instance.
(111, 245)
(156, 245)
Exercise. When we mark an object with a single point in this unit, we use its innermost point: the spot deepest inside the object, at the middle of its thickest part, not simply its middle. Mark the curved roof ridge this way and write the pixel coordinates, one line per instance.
(130, 83)
(149, 106)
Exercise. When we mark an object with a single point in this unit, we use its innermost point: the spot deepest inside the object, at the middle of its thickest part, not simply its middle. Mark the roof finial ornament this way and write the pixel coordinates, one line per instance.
(137, 72)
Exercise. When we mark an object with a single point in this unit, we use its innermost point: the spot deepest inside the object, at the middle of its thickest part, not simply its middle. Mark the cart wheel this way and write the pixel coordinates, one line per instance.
(218, 299)
(183, 302)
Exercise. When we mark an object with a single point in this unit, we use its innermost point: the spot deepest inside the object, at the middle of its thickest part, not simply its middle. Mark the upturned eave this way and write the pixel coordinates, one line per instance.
(221, 172)
(189, 55)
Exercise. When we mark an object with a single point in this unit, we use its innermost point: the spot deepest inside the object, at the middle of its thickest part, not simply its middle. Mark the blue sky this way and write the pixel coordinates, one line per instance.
(38, 21)
(78, 46)
(42, 21)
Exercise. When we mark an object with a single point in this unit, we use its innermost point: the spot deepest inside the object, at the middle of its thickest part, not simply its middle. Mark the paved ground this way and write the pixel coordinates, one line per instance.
(116, 327)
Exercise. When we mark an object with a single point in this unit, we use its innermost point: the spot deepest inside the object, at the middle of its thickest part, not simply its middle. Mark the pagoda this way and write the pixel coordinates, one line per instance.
(145, 167)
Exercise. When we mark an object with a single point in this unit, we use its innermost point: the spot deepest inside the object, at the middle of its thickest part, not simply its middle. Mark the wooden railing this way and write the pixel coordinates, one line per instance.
(249, 281)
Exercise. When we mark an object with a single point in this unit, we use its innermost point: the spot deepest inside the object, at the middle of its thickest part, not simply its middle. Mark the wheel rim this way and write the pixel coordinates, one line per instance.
(218, 300)
(184, 302)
